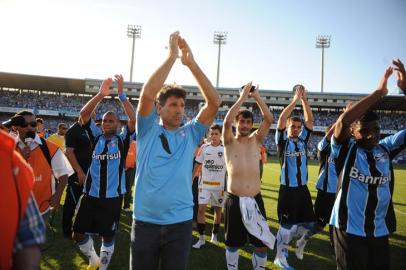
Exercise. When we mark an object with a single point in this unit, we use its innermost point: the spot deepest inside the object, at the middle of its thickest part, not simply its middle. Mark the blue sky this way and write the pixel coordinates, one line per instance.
(271, 42)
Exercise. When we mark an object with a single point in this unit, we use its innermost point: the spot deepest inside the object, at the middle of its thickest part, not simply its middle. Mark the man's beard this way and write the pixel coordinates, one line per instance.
(244, 134)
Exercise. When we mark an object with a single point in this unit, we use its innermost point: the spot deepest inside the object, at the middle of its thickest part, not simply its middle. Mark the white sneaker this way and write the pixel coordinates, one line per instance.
(281, 262)
(300, 245)
(199, 244)
(214, 239)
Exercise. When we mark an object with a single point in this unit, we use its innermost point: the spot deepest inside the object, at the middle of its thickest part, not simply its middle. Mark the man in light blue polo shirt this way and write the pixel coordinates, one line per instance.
(163, 201)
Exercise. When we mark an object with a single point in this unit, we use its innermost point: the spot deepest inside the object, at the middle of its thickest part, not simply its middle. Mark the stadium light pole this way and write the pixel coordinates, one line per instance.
(323, 41)
(220, 38)
(133, 31)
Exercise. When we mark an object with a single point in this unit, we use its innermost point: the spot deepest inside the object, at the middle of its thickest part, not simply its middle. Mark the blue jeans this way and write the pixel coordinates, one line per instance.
(165, 245)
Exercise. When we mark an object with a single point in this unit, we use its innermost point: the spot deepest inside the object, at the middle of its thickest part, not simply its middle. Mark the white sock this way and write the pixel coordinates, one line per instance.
(294, 233)
(106, 251)
(86, 246)
(259, 260)
(283, 238)
(201, 238)
(302, 231)
(232, 255)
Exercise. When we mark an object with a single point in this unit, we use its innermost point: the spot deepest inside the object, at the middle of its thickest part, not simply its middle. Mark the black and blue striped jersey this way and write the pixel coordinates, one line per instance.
(327, 180)
(293, 157)
(365, 187)
(105, 177)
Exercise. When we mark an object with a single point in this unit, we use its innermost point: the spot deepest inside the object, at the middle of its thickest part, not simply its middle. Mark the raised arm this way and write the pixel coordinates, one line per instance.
(341, 131)
(227, 135)
(308, 115)
(155, 82)
(330, 132)
(266, 123)
(283, 117)
(128, 107)
(212, 98)
(87, 110)
(401, 74)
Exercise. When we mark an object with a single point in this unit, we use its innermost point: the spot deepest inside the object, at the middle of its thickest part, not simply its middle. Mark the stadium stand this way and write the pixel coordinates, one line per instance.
(60, 100)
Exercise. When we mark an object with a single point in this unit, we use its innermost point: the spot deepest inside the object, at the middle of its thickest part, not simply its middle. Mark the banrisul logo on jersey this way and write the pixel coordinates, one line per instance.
(368, 179)
(295, 154)
(107, 156)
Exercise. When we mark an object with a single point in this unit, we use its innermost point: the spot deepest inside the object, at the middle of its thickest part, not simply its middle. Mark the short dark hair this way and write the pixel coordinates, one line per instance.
(17, 120)
(245, 114)
(168, 91)
(62, 124)
(294, 119)
(369, 116)
(24, 113)
(297, 85)
(215, 126)
(113, 113)
(39, 120)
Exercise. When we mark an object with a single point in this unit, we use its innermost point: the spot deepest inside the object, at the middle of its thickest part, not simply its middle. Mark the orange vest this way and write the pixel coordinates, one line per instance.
(43, 179)
(15, 187)
(131, 155)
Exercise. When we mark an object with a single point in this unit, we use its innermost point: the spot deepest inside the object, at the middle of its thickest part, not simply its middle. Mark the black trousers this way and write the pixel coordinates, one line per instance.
(73, 193)
(195, 192)
(361, 253)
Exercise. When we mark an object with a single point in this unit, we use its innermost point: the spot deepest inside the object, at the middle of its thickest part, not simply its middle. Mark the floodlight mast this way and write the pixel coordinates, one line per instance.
(220, 38)
(134, 32)
(322, 41)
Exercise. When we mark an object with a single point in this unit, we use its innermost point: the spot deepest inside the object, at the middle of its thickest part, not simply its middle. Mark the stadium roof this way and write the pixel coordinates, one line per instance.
(229, 95)
(41, 83)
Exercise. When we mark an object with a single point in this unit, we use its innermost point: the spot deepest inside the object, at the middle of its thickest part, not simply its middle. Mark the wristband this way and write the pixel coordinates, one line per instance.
(122, 97)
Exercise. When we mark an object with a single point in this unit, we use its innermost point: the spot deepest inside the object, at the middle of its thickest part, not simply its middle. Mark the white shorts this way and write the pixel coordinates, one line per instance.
(212, 197)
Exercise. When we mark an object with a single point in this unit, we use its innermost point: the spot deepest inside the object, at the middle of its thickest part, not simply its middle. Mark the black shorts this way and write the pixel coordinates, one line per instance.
(295, 205)
(361, 253)
(235, 231)
(323, 206)
(97, 215)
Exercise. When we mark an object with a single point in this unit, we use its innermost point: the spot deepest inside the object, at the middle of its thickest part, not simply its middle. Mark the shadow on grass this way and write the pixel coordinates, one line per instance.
(398, 237)
(399, 204)
(62, 253)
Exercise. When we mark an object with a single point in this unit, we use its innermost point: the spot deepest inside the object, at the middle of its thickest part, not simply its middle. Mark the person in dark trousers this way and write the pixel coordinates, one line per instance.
(361, 214)
(78, 152)
(163, 202)
(98, 210)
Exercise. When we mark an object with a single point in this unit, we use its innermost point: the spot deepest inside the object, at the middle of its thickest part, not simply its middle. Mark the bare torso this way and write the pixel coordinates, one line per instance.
(242, 159)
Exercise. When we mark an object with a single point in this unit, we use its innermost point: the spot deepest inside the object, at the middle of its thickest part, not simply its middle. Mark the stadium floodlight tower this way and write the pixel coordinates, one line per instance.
(323, 41)
(133, 31)
(220, 38)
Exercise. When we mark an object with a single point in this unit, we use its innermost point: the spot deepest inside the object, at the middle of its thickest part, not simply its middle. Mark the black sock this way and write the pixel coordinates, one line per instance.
(200, 228)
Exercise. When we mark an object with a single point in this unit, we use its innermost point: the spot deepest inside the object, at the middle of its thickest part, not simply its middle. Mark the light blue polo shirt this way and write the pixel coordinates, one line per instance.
(163, 181)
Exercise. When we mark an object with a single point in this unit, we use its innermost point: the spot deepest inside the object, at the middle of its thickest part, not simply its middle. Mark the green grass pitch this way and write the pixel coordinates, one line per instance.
(61, 253)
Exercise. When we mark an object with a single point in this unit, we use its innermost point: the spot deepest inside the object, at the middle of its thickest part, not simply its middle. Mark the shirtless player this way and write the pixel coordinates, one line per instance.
(243, 185)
